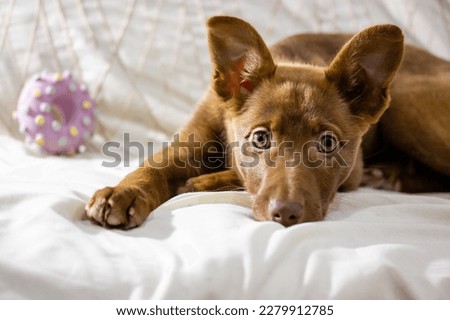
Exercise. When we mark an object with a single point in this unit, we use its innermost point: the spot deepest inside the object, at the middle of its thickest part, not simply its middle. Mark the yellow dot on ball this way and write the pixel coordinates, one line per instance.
(86, 104)
(74, 131)
(39, 120)
(39, 140)
(58, 76)
(37, 93)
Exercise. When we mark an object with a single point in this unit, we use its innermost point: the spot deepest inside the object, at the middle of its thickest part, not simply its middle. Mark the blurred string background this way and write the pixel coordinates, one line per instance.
(146, 61)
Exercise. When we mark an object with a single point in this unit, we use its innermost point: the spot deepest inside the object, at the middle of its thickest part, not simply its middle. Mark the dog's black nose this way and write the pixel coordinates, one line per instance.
(284, 212)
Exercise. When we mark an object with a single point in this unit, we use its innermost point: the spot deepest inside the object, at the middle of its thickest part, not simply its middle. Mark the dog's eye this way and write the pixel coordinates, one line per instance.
(261, 139)
(327, 142)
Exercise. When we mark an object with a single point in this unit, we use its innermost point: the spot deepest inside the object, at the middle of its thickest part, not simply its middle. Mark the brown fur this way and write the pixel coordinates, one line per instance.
(295, 92)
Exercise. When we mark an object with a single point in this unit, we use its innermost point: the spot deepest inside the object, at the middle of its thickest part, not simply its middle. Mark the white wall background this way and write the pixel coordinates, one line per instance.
(146, 62)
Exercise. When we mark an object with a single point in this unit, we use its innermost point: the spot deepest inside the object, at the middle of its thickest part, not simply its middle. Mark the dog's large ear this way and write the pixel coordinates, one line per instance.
(364, 68)
(239, 56)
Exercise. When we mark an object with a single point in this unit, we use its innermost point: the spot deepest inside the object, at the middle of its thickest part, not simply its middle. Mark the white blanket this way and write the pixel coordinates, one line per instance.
(372, 245)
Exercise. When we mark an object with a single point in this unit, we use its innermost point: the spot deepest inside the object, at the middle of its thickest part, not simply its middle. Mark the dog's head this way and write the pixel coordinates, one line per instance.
(297, 128)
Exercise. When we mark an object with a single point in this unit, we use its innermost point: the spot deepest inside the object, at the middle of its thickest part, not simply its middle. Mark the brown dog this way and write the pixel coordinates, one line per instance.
(291, 125)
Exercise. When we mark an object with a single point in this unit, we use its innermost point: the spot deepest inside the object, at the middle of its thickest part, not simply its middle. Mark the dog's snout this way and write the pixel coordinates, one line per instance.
(285, 212)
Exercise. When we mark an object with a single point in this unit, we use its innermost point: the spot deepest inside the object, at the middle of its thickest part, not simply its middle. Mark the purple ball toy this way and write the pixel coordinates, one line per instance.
(56, 113)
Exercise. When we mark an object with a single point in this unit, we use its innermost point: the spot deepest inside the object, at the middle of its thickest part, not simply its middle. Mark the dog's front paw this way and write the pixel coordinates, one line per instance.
(196, 184)
(118, 207)
(226, 180)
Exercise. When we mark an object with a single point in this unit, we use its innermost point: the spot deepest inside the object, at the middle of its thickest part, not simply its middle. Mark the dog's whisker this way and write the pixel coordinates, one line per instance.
(342, 200)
